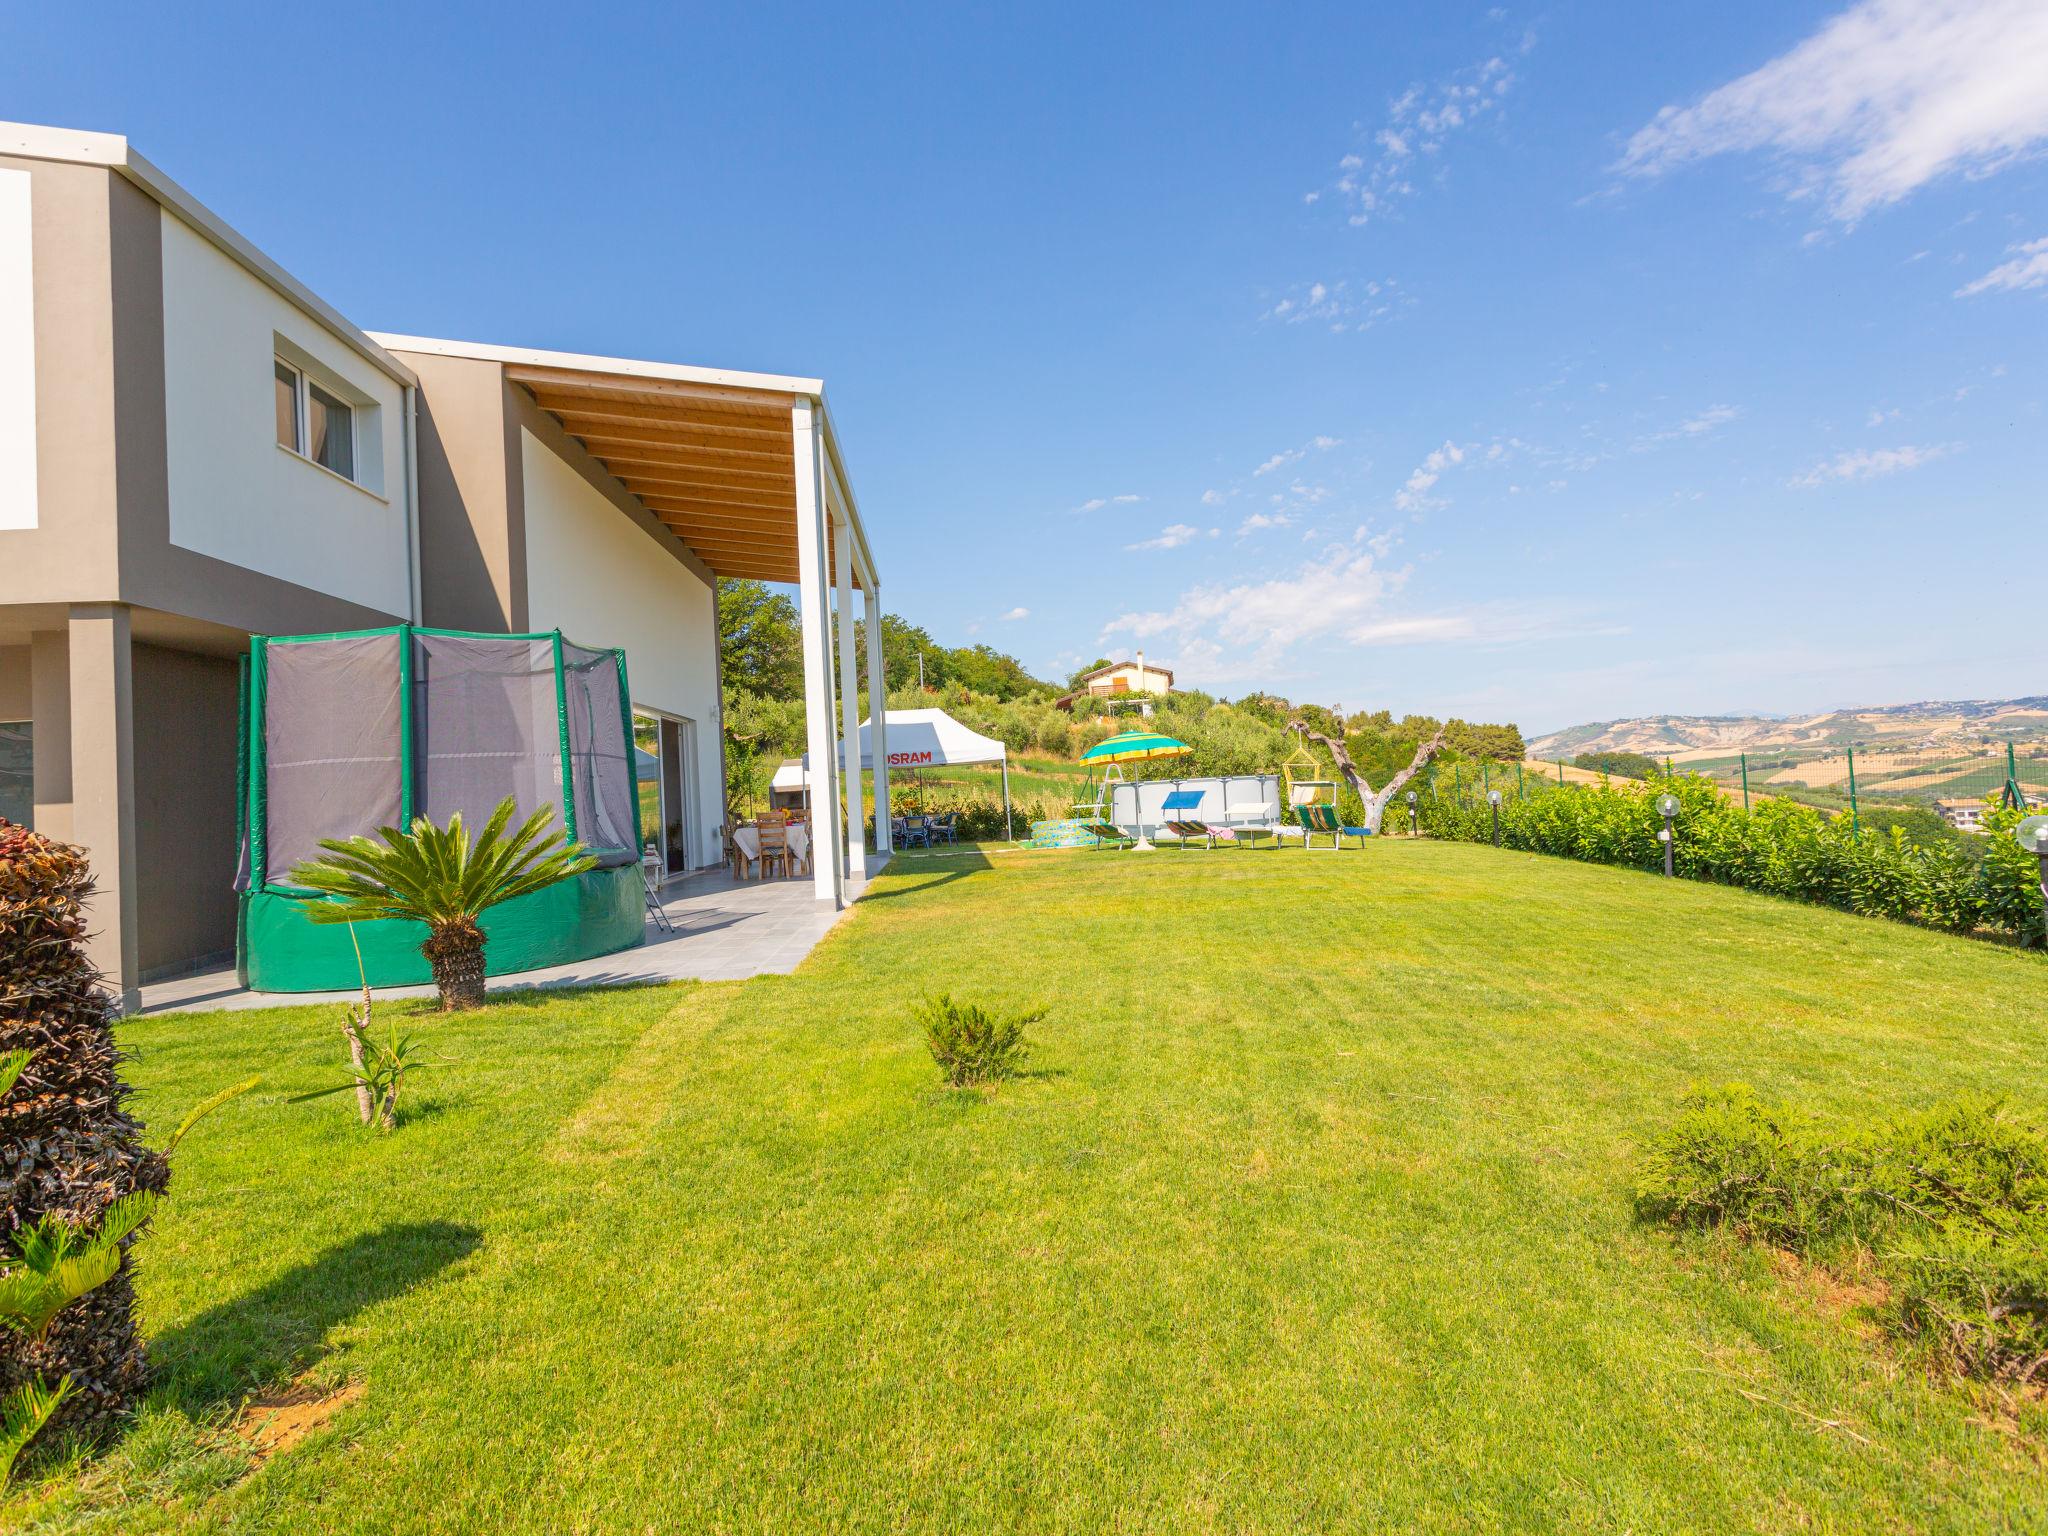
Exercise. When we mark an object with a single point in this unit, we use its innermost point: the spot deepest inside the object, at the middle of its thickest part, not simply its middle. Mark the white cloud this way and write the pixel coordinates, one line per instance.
(1260, 520)
(1324, 597)
(1170, 537)
(1245, 628)
(1339, 306)
(1319, 444)
(1713, 416)
(1884, 98)
(1871, 463)
(1414, 493)
(2028, 269)
(1879, 417)
(1213, 498)
(1097, 503)
(1418, 124)
(1712, 419)
(1015, 614)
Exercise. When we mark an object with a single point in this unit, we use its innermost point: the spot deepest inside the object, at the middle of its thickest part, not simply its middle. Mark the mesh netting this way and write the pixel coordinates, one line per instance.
(484, 726)
(332, 743)
(607, 798)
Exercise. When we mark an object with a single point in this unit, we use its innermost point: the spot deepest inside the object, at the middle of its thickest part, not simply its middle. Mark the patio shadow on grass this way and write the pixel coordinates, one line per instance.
(919, 871)
(281, 1328)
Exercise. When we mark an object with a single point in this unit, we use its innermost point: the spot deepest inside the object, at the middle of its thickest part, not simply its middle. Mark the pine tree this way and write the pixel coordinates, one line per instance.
(67, 1145)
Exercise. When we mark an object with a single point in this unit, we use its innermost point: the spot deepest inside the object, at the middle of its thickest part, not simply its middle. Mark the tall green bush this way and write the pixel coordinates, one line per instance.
(1778, 847)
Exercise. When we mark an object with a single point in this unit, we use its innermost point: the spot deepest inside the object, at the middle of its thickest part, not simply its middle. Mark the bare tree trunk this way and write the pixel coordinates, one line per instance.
(353, 1024)
(1375, 800)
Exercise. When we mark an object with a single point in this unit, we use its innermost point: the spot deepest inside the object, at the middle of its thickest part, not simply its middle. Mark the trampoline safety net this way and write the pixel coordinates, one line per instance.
(345, 734)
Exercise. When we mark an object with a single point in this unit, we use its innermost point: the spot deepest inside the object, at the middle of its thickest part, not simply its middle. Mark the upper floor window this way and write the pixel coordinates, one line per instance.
(313, 422)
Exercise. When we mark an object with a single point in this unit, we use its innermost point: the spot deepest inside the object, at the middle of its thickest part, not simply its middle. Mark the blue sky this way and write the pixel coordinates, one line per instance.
(1542, 364)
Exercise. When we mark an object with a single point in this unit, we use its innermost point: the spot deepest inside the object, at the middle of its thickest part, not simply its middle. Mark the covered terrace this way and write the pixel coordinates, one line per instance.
(745, 469)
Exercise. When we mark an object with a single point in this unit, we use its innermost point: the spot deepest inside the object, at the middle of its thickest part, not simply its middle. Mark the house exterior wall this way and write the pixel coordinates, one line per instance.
(234, 493)
(605, 573)
(15, 687)
(472, 528)
(17, 352)
(93, 563)
(1129, 678)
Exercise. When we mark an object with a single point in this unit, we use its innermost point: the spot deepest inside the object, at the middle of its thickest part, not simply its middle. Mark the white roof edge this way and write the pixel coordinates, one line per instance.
(35, 141)
(682, 373)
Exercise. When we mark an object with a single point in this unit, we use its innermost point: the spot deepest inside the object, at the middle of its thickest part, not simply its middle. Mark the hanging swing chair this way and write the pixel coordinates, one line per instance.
(1301, 778)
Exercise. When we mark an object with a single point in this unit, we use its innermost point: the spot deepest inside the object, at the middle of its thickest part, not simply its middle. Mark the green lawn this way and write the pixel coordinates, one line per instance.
(1314, 1217)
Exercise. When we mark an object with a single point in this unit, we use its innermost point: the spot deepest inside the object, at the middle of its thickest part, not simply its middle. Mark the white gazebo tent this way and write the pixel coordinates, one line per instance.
(918, 738)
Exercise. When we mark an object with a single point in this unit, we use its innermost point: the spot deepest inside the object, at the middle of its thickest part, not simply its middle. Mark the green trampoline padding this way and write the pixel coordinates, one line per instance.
(596, 913)
(345, 733)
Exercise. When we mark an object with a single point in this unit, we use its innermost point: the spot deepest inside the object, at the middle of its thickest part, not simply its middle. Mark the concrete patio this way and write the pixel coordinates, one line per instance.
(725, 930)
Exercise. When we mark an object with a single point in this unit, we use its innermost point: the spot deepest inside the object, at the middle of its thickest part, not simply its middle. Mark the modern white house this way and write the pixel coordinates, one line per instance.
(195, 448)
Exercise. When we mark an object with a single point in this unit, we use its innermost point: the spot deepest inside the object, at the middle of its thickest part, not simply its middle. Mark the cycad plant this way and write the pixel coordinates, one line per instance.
(442, 877)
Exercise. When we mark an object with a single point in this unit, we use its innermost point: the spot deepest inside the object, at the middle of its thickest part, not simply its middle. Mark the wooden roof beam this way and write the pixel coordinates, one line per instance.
(573, 381)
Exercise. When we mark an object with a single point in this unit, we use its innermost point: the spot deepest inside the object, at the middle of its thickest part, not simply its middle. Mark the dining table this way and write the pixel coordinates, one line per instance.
(796, 836)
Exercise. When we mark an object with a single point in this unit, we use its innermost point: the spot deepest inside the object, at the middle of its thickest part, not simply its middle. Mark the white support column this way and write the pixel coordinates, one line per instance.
(849, 698)
(814, 610)
(878, 710)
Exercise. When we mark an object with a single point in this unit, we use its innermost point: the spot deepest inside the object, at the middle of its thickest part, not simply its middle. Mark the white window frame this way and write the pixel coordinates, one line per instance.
(302, 422)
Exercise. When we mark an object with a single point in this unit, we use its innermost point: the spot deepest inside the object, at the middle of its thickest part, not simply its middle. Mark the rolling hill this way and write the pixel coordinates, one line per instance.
(1934, 723)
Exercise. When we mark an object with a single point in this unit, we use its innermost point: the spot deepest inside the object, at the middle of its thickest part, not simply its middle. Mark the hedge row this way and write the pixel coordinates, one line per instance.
(1987, 883)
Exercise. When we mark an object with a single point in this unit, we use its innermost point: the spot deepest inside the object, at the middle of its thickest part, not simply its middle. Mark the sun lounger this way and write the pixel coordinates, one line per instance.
(1254, 818)
(1107, 833)
(1323, 819)
(1185, 828)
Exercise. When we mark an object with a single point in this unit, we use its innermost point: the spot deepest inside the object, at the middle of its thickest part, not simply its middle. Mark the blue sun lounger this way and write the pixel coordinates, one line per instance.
(1187, 828)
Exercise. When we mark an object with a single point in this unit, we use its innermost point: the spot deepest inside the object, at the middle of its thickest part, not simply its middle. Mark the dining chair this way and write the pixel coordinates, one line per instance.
(774, 847)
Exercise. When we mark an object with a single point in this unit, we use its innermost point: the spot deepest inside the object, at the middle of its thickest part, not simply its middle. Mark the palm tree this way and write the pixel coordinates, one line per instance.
(440, 877)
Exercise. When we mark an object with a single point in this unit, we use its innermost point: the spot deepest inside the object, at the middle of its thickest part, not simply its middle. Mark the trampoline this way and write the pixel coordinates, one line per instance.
(342, 734)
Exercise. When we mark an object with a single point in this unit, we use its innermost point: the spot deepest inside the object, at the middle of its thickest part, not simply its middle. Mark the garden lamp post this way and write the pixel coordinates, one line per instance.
(1667, 807)
(1413, 828)
(1493, 799)
(2032, 835)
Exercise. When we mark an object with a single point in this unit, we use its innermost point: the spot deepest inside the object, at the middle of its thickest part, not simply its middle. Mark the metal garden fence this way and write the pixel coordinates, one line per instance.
(1955, 781)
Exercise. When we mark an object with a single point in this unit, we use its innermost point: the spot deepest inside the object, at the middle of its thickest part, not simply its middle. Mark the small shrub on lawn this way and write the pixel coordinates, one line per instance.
(973, 1044)
(1948, 1204)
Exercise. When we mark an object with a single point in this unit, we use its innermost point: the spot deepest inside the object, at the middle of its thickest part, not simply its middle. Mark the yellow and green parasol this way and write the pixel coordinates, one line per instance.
(1135, 746)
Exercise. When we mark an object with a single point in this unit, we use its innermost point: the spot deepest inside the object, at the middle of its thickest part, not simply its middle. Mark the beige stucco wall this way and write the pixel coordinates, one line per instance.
(14, 682)
(472, 529)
